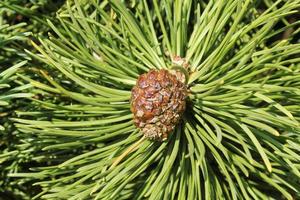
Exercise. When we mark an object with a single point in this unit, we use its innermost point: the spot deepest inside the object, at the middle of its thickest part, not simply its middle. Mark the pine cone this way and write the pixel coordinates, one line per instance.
(158, 102)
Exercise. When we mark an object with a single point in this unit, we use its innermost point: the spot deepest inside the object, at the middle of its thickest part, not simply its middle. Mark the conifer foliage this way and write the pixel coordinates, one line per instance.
(239, 137)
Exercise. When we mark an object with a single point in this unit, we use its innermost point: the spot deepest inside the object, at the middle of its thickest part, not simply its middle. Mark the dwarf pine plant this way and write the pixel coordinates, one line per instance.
(239, 134)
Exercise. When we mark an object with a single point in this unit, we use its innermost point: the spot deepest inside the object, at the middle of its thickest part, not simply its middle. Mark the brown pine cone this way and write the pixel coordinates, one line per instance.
(158, 102)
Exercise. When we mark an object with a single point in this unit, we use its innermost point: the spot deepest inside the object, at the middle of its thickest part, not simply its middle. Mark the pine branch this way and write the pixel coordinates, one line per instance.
(239, 137)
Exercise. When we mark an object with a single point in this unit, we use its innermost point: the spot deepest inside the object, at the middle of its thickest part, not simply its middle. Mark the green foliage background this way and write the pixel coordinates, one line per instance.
(65, 111)
(20, 21)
